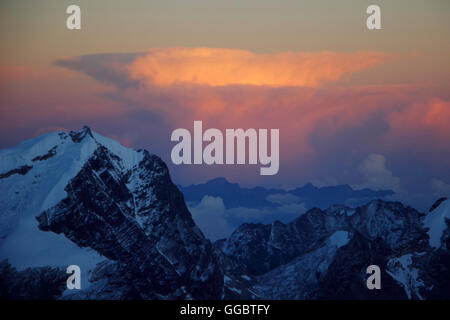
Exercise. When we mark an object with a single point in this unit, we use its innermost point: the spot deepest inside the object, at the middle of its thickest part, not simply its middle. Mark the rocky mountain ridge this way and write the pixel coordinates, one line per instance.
(80, 198)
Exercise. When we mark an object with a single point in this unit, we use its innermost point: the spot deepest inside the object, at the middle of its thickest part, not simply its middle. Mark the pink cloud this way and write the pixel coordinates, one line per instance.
(222, 67)
(323, 120)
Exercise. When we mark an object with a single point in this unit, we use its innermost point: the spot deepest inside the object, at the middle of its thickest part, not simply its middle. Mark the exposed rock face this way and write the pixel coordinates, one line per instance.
(137, 218)
(122, 204)
(118, 206)
(263, 247)
(21, 170)
(325, 254)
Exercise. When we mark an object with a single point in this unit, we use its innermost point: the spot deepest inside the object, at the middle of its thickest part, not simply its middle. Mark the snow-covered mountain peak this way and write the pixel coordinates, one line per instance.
(81, 198)
(33, 178)
(41, 167)
(78, 198)
(35, 151)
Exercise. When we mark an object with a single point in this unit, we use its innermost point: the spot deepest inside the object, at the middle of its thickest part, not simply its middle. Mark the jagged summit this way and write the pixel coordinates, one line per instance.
(302, 259)
(78, 136)
(81, 198)
(49, 161)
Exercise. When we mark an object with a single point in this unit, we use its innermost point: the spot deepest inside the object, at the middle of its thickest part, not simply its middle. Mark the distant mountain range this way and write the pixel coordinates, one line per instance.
(80, 198)
(234, 195)
(264, 205)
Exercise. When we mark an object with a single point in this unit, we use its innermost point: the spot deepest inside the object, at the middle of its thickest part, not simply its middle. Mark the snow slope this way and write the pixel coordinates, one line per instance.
(435, 221)
(53, 160)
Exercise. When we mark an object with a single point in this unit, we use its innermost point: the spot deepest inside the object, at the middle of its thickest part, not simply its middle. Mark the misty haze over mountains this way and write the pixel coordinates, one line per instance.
(80, 198)
(237, 204)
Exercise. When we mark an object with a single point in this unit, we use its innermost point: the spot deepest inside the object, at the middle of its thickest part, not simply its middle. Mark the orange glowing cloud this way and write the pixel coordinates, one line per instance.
(224, 67)
(139, 99)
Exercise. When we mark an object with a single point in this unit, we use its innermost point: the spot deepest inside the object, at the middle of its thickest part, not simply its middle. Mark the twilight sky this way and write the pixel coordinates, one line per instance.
(367, 108)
